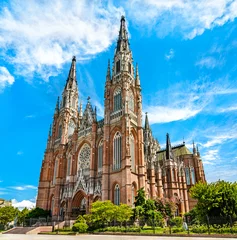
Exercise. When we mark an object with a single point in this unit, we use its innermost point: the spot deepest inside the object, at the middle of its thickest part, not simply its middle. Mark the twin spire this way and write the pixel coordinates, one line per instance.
(72, 80)
(122, 43)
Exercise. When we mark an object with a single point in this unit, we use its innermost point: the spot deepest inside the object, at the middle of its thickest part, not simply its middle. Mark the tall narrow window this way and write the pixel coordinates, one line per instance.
(187, 173)
(129, 67)
(117, 151)
(117, 99)
(71, 127)
(64, 101)
(116, 195)
(118, 66)
(55, 171)
(59, 131)
(131, 101)
(52, 206)
(100, 156)
(193, 176)
(132, 152)
(133, 195)
(69, 160)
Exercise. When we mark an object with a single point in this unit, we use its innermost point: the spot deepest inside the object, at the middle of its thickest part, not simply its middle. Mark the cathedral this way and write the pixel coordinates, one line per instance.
(110, 159)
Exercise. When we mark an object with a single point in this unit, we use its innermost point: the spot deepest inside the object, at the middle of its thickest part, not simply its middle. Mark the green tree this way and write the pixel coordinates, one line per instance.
(123, 213)
(165, 206)
(21, 215)
(215, 199)
(103, 211)
(7, 214)
(140, 199)
(37, 212)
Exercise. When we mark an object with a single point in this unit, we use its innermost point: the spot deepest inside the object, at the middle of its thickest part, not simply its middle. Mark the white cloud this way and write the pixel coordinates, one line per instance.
(211, 156)
(24, 187)
(162, 114)
(210, 62)
(43, 35)
(19, 153)
(6, 78)
(190, 18)
(227, 109)
(169, 55)
(30, 116)
(23, 204)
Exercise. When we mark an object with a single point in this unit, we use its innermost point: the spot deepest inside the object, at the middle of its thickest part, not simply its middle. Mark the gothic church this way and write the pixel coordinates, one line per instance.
(88, 160)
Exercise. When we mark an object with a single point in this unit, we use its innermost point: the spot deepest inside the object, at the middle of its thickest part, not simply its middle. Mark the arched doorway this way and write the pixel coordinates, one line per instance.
(79, 204)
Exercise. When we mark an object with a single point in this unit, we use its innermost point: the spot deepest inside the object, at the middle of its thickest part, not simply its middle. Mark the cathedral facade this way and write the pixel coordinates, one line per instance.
(88, 160)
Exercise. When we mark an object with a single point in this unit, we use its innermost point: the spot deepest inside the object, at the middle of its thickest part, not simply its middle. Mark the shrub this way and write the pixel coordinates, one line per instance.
(80, 219)
(177, 222)
(80, 227)
(177, 229)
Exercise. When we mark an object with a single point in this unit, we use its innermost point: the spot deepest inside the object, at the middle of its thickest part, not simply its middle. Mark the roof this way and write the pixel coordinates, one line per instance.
(177, 151)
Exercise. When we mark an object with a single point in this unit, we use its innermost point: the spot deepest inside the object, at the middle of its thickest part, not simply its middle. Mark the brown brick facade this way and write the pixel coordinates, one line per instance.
(88, 160)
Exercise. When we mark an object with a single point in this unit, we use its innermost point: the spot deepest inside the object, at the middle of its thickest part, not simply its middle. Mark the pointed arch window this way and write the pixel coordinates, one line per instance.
(100, 156)
(52, 206)
(187, 174)
(55, 171)
(59, 131)
(116, 195)
(69, 162)
(117, 100)
(131, 101)
(117, 154)
(132, 152)
(133, 195)
(193, 176)
(71, 127)
(118, 66)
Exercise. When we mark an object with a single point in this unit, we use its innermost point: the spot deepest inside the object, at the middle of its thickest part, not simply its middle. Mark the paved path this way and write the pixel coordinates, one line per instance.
(97, 237)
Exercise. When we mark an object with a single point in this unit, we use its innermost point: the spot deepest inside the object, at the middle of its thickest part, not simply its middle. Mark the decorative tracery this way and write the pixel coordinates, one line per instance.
(84, 159)
(132, 152)
(117, 99)
(131, 101)
(117, 151)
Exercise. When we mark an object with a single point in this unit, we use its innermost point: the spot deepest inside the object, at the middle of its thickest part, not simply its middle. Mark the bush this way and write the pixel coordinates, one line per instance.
(177, 222)
(80, 227)
(80, 219)
(177, 229)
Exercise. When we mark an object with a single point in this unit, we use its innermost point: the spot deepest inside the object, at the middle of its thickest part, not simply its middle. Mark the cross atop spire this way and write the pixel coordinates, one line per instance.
(123, 43)
(71, 80)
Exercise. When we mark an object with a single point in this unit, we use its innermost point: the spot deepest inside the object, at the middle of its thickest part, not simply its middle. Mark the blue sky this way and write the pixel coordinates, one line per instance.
(186, 52)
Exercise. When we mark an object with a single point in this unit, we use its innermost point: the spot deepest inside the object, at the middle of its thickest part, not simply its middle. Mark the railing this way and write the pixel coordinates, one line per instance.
(116, 114)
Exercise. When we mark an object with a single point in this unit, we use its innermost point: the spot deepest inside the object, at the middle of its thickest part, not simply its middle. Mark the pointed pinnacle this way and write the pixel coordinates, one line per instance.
(137, 76)
(147, 125)
(50, 130)
(57, 107)
(169, 154)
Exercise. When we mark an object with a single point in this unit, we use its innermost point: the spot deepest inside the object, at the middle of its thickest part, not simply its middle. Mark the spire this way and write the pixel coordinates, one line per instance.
(56, 111)
(108, 76)
(80, 111)
(147, 125)
(71, 80)
(169, 153)
(123, 43)
(194, 149)
(95, 114)
(137, 76)
(198, 153)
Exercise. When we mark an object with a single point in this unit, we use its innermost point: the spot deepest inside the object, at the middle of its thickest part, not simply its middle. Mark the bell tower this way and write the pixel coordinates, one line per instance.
(123, 160)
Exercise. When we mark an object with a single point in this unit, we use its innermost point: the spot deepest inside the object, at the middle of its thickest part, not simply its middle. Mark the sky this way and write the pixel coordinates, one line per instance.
(186, 51)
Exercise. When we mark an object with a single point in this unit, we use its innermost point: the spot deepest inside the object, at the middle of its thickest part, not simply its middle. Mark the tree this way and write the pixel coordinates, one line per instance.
(103, 211)
(140, 199)
(22, 214)
(7, 214)
(166, 206)
(123, 213)
(37, 212)
(215, 199)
